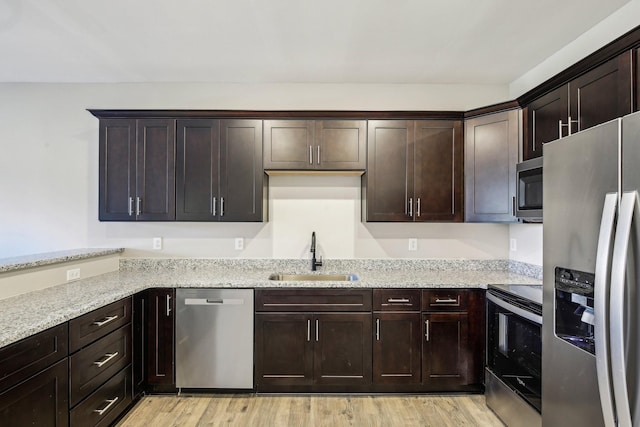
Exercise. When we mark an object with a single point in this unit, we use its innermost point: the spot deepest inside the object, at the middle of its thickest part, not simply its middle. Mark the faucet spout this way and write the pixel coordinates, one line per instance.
(314, 262)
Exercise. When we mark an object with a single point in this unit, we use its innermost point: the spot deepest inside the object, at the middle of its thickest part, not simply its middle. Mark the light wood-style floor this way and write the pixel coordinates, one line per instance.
(311, 410)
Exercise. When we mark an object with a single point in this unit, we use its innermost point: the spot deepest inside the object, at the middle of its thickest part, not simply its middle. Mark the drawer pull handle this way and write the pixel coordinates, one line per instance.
(105, 320)
(101, 363)
(398, 300)
(426, 330)
(377, 329)
(446, 301)
(106, 408)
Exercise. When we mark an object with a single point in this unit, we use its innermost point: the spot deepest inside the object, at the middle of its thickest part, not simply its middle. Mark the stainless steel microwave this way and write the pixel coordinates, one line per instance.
(529, 190)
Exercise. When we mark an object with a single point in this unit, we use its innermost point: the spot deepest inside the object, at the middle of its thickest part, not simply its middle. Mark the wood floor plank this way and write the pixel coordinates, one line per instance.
(311, 410)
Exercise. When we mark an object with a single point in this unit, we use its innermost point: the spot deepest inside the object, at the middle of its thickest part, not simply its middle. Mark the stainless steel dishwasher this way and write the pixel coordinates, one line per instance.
(214, 338)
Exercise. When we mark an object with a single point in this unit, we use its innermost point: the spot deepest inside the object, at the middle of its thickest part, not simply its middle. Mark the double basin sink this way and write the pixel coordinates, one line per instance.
(313, 277)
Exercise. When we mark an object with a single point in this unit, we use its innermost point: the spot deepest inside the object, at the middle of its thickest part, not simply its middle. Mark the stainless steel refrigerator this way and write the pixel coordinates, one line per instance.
(591, 231)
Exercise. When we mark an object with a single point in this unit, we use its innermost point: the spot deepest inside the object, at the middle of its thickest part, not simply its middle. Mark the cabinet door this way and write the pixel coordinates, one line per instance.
(198, 153)
(340, 145)
(160, 338)
(342, 354)
(543, 116)
(41, 400)
(491, 155)
(602, 94)
(283, 350)
(155, 172)
(389, 177)
(140, 316)
(241, 174)
(397, 348)
(438, 179)
(445, 350)
(288, 144)
(117, 181)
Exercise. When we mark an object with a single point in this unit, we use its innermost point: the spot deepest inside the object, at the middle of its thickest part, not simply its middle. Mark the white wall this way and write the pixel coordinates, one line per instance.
(49, 178)
(528, 241)
(618, 23)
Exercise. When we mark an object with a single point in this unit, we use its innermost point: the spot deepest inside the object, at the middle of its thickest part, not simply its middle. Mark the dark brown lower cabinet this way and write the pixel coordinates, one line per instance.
(283, 350)
(342, 348)
(140, 314)
(312, 350)
(41, 400)
(445, 350)
(397, 348)
(160, 339)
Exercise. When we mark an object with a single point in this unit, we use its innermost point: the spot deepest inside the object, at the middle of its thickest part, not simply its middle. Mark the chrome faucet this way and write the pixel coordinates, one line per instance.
(314, 263)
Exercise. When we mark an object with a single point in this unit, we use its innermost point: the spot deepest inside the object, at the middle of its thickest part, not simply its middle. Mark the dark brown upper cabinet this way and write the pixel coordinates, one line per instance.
(415, 171)
(219, 175)
(315, 145)
(595, 97)
(491, 155)
(137, 170)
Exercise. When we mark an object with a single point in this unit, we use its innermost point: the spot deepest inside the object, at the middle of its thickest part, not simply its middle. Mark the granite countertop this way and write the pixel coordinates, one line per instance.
(27, 314)
(40, 260)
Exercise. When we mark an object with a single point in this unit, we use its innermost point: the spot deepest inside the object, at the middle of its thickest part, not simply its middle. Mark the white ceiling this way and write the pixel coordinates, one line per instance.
(287, 41)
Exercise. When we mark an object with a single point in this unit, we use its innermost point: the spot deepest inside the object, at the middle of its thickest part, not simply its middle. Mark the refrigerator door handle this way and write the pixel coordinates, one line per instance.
(601, 292)
(629, 208)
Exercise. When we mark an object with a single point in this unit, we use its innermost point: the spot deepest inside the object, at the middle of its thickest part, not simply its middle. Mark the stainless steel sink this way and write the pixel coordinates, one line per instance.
(314, 277)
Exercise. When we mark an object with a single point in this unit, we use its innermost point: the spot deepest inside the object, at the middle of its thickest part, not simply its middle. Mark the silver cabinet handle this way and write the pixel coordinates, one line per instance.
(310, 155)
(398, 300)
(105, 320)
(308, 330)
(221, 206)
(418, 207)
(168, 305)
(138, 205)
(411, 207)
(446, 301)
(318, 160)
(560, 128)
(317, 328)
(108, 356)
(568, 125)
(213, 206)
(378, 329)
(130, 206)
(533, 137)
(426, 329)
(106, 408)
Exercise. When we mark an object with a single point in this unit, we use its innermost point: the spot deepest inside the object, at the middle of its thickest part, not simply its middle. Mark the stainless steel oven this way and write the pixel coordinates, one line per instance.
(529, 190)
(514, 354)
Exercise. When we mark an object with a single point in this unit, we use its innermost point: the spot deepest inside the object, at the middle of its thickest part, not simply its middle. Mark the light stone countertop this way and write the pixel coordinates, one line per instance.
(39, 260)
(25, 315)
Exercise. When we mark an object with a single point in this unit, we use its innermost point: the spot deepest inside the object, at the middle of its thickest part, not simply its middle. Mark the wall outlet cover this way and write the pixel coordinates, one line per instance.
(513, 245)
(73, 274)
(157, 243)
(239, 244)
(413, 244)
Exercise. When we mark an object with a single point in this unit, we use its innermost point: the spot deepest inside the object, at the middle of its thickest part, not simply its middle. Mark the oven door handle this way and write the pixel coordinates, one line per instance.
(515, 310)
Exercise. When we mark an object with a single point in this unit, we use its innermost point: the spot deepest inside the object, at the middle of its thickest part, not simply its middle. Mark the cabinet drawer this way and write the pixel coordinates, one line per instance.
(87, 328)
(93, 365)
(444, 299)
(103, 406)
(20, 360)
(396, 299)
(287, 299)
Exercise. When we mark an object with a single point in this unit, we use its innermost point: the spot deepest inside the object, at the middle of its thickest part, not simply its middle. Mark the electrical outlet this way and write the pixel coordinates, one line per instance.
(239, 244)
(73, 274)
(413, 244)
(157, 243)
(513, 245)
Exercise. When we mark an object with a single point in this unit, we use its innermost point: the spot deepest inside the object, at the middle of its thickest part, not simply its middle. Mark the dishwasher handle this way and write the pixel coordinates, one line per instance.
(213, 301)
